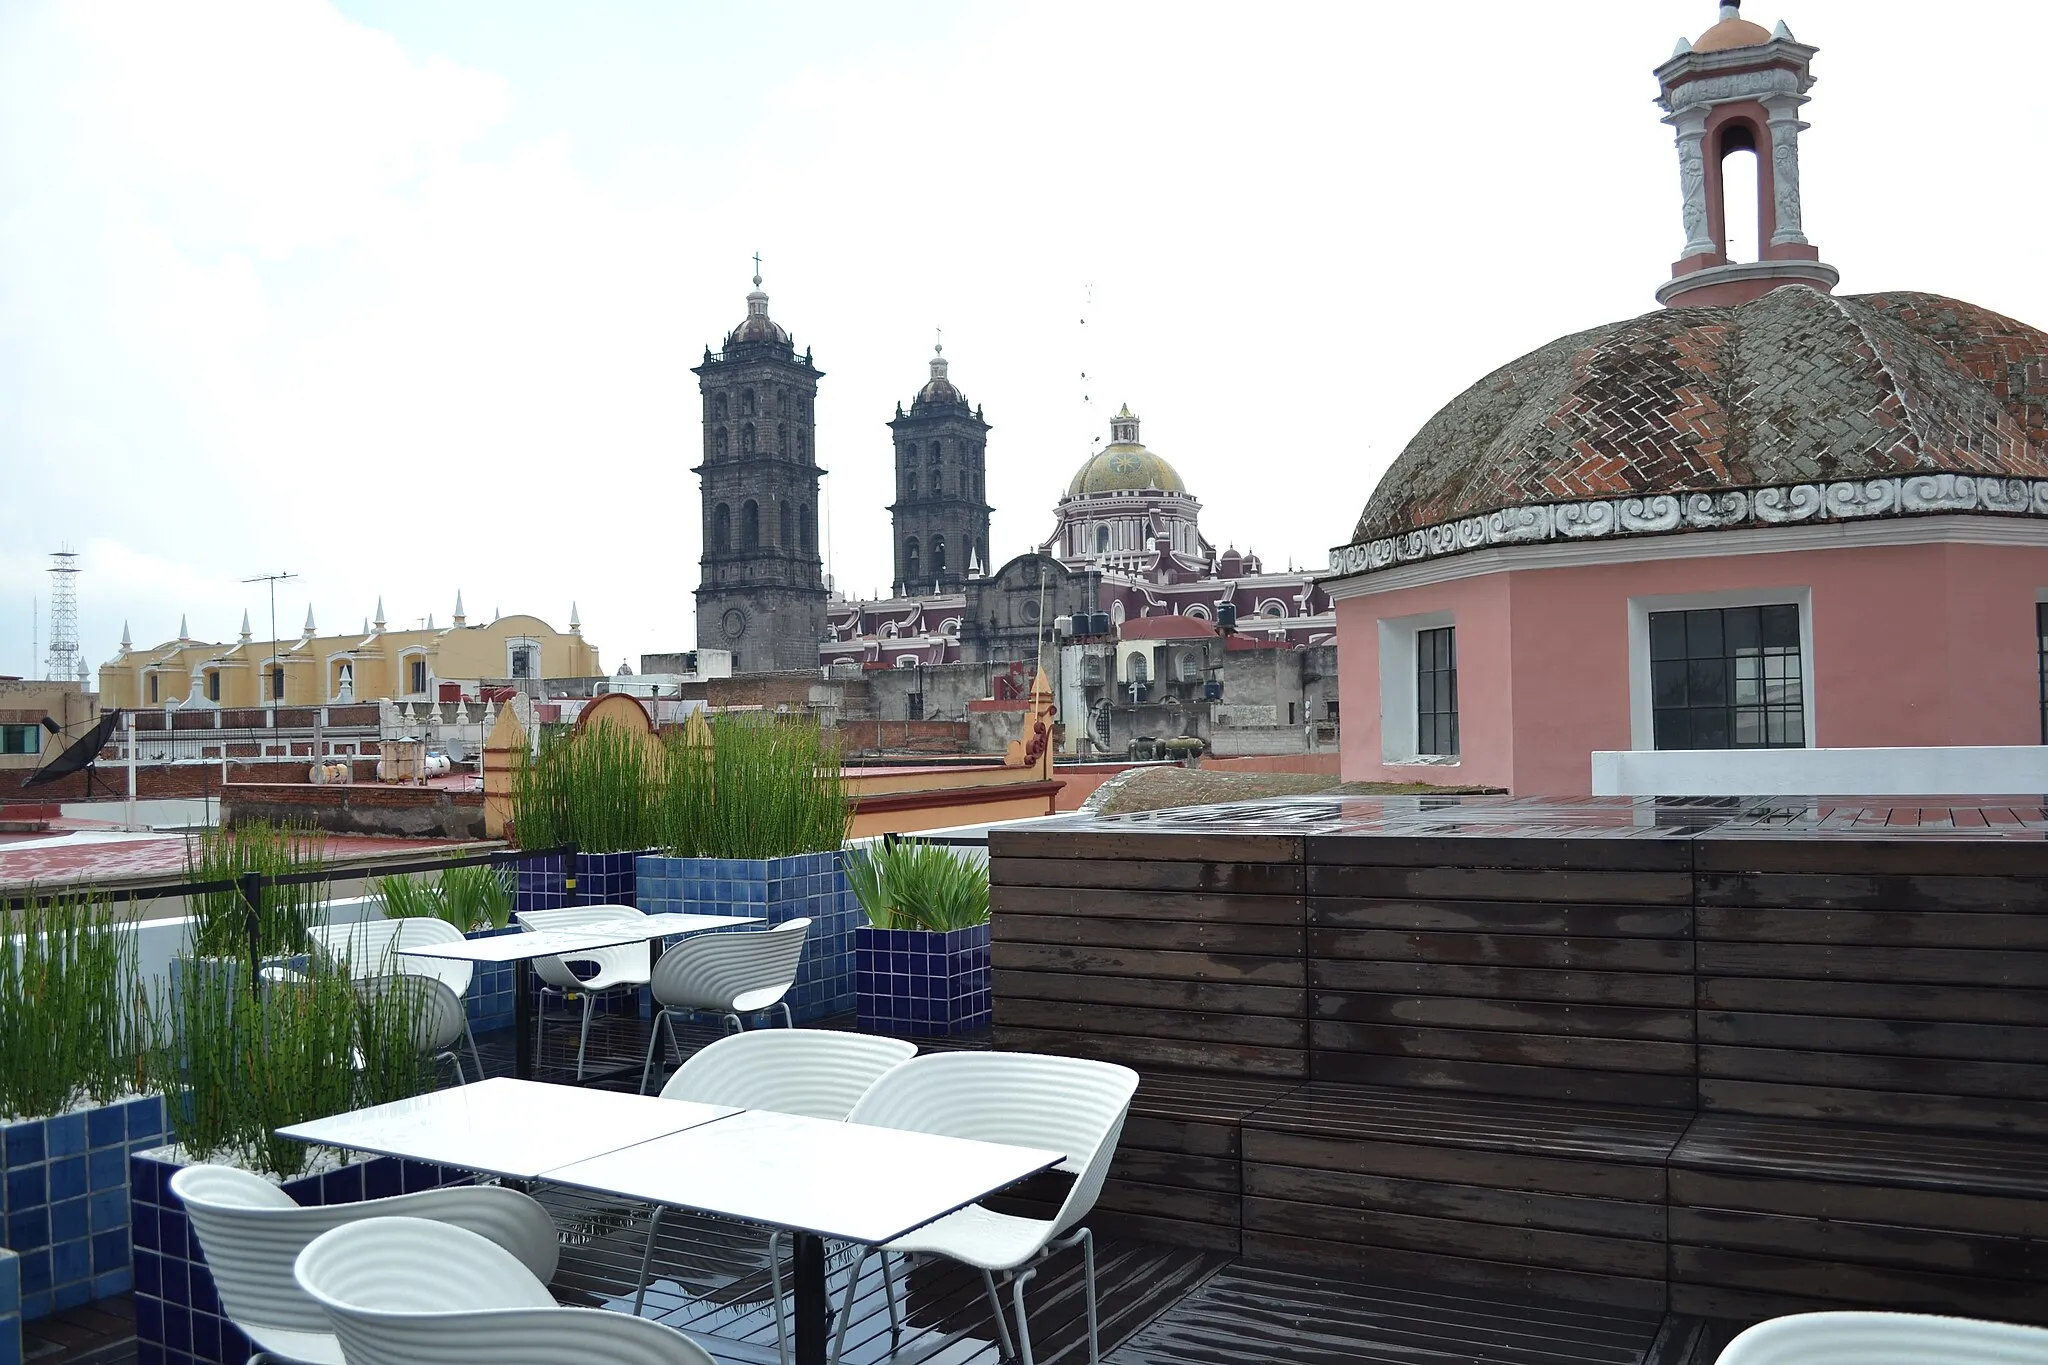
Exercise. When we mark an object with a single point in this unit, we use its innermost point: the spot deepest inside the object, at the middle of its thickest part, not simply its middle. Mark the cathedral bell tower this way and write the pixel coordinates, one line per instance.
(761, 587)
(940, 517)
(1738, 88)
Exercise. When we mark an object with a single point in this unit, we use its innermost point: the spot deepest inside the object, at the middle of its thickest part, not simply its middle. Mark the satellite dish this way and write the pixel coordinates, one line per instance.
(79, 756)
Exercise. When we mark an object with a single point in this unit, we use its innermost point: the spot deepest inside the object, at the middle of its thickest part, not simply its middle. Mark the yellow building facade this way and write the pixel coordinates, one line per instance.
(25, 704)
(373, 664)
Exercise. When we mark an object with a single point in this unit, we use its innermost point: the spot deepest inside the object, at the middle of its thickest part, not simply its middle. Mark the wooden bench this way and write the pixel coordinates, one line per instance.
(1873, 1033)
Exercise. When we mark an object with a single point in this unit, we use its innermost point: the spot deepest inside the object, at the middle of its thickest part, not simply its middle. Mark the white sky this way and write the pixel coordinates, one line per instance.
(403, 296)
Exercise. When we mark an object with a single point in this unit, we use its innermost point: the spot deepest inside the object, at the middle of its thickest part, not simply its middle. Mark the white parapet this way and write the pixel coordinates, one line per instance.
(1975, 770)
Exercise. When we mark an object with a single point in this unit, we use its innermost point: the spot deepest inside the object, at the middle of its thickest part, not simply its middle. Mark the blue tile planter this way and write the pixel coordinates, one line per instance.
(921, 983)
(10, 1308)
(538, 883)
(801, 885)
(488, 1002)
(64, 1202)
(178, 1317)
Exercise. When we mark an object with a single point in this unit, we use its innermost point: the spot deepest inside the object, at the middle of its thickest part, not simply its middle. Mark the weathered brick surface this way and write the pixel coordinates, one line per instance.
(1795, 387)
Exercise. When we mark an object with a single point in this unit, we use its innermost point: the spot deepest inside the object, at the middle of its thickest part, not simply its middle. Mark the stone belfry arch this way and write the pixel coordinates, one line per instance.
(761, 583)
(1739, 87)
(940, 516)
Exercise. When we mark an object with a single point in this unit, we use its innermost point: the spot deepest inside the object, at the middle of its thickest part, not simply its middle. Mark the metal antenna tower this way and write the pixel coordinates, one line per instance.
(61, 664)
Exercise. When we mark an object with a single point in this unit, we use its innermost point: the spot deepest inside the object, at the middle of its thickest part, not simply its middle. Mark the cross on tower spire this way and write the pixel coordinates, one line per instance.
(757, 270)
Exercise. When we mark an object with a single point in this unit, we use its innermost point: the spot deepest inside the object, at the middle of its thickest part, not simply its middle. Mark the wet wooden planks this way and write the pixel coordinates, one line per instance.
(1547, 967)
(1158, 951)
(1509, 1193)
(1258, 1313)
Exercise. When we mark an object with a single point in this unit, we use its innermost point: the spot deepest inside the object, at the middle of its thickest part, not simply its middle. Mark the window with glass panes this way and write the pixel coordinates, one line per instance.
(1727, 678)
(2041, 636)
(1436, 691)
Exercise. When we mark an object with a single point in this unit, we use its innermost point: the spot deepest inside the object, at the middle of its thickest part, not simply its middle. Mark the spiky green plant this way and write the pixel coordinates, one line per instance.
(474, 898)
(405, 897)
(913, 884)
(69, 1026)
(285, 912)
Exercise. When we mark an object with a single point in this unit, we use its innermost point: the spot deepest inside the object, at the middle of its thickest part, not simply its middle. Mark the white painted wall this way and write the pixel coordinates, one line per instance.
(1980, 770)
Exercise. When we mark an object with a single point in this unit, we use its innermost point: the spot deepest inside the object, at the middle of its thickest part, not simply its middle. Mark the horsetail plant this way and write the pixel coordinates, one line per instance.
(69, 1025)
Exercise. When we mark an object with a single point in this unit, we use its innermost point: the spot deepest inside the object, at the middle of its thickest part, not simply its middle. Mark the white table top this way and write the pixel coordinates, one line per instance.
(666, 926)
(844, 1180)
(532, 943)
(516, 1129)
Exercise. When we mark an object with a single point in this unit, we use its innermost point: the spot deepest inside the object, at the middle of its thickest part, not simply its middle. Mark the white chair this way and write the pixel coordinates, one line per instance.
(1062, 1104)
(623, 967)
(733, 974)
(375, 947)
(438, 1020)
(814, 1072)
(251, 1231)
(1886, 1339)
(403, 1291)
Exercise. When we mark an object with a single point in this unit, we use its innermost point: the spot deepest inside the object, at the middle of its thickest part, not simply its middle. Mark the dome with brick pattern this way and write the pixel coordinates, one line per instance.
(1795, 406)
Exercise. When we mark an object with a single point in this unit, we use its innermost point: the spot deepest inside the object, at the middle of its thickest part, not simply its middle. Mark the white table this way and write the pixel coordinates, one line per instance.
(521, 948)
(505, 1127)
(814, 1177)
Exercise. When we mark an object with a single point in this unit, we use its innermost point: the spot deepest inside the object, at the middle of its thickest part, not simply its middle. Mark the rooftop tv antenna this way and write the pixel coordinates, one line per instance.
(61, 664)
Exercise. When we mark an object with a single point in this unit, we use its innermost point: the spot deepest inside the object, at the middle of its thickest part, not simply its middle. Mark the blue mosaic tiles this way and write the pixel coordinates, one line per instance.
(607, 878)
(537, 883)
(919, 983)
(178, 1317)
(63, 1202)
(10, 1308)
(783, 889)
(488, 1001)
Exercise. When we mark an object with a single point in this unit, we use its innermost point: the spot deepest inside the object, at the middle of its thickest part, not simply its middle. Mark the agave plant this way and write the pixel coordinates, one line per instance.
(469, 898)
(912, 884)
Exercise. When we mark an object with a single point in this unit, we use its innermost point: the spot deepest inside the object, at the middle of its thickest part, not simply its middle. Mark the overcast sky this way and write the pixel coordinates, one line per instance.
(402, 295)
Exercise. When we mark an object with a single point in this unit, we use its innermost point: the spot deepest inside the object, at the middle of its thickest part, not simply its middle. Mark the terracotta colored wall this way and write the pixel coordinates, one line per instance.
(1912, 645)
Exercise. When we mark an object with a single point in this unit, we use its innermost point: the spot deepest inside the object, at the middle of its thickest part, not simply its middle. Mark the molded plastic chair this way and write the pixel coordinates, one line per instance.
(251, 1231)
(403, 1291)
(814, 1072)
(1886, 1339)
(1063, 1104)
(439, 1023)
(375, 947)
(732, 974)
(618, 968)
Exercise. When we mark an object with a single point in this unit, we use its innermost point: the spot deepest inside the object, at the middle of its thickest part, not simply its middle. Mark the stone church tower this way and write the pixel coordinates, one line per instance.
(941, 520)
(761, 587)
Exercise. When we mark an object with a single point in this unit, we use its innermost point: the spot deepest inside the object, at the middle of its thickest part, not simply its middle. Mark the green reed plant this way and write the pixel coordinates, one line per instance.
(221, 923)
(237, 1064)
(761, 788)
(598, 789)
(69, 1023)
(913, 884)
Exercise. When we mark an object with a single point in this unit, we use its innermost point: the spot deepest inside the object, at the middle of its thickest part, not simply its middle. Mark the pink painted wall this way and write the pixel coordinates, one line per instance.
(1912, 645)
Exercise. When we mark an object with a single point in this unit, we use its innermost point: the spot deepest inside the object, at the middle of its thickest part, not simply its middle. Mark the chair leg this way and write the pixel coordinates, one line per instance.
(889, 1290)
(788, 1019)
(1017, 1281)
(647, 1259)
(737, 1023)
(1094, 1330)
(995, 1303)
(775, 1282)
(583, 1042)
(653, 1037)
(846, 1308)
(474, 1055)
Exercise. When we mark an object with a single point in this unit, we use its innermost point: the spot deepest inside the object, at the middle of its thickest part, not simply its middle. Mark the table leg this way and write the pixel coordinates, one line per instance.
(522, 1019)
(813, 1304)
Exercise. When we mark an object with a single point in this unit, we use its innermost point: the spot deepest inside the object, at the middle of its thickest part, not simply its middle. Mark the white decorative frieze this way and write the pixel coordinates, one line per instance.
(1664, 514)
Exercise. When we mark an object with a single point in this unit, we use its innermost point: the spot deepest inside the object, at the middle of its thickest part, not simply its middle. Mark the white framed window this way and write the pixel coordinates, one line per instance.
(1722, 670)
(1402, 639)
(522, 658)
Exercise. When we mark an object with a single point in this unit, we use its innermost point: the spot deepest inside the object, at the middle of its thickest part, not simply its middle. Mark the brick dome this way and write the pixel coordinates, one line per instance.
(1792, 406)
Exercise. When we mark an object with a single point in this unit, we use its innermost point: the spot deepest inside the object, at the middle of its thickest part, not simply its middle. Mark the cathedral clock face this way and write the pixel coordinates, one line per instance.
(733, 623)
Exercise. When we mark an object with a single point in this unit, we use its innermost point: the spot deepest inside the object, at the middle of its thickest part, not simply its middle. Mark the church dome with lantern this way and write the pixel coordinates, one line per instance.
(1127, 509)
